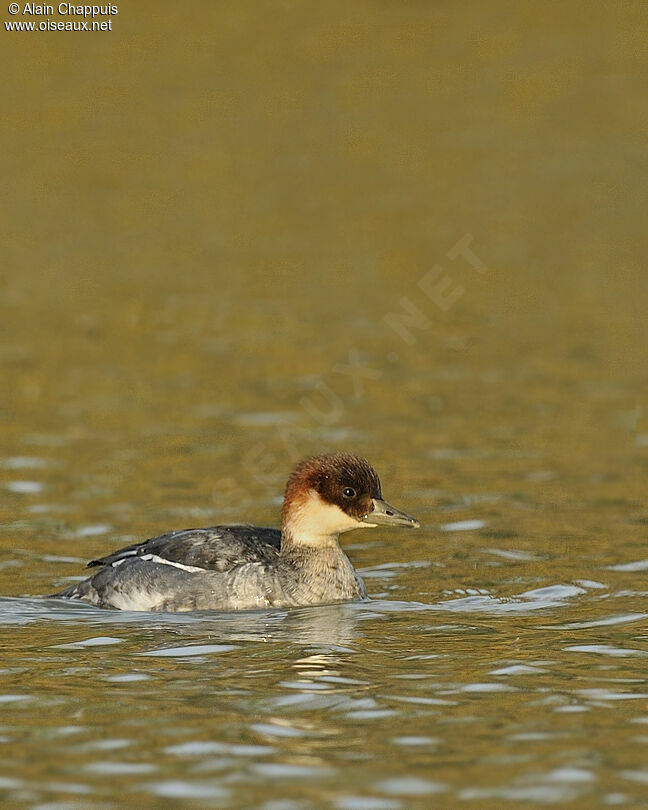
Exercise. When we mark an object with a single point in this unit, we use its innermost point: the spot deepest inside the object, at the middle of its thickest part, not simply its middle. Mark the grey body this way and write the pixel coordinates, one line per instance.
(244, 567)
(220, 568)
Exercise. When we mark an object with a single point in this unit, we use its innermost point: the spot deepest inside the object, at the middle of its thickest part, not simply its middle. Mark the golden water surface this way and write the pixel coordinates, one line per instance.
(234, 234)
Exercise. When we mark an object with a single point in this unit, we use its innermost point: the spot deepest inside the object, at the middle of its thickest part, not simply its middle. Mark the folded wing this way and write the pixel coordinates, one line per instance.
(218, 548)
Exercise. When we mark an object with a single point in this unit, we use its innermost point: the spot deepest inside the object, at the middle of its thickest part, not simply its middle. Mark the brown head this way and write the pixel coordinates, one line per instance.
(327, 495)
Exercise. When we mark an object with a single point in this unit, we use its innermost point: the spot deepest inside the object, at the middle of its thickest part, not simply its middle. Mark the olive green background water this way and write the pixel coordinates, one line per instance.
(234, 234)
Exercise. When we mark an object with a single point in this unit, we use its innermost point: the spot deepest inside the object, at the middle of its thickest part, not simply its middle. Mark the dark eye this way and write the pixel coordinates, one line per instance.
(349, 492)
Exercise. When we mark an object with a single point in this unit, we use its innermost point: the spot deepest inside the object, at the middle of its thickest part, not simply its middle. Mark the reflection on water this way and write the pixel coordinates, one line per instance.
(238, 237)
(216, 707)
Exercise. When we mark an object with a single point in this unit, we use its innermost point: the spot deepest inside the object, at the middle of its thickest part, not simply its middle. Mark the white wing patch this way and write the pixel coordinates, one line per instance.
(154, 558)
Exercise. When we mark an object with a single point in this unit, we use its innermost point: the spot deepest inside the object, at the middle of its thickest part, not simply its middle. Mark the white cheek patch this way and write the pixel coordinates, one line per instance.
(314, 521)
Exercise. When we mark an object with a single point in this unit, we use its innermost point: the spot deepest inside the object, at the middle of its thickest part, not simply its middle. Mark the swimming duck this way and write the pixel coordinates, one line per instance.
(242, 567)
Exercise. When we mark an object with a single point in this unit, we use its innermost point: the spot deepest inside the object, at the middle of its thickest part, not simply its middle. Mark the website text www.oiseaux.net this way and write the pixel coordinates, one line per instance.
(42, 17)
